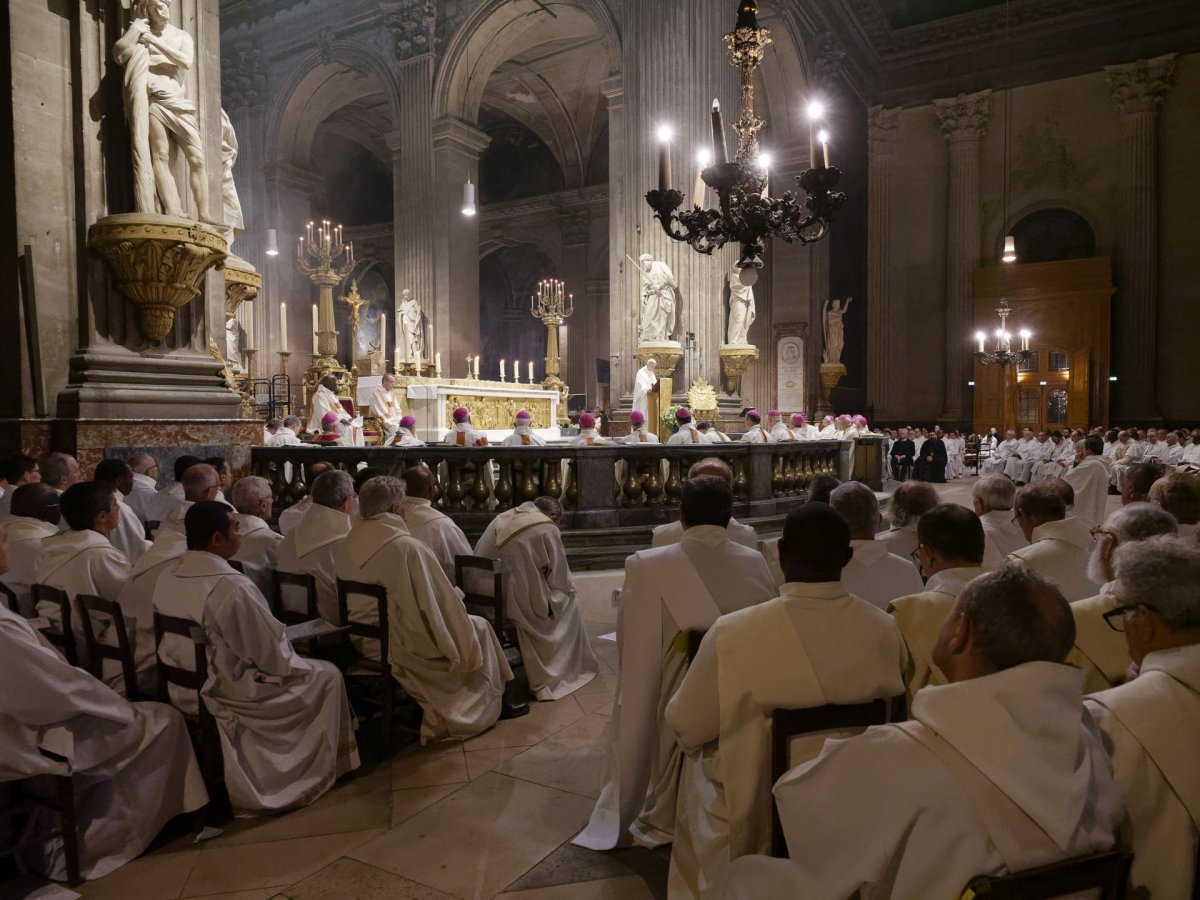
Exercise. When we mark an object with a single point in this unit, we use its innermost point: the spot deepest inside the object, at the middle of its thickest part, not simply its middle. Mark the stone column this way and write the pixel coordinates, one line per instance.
(1137, 91)
(577, 340)
(883, 125)
(963, 122)
(456, 150)
(622, 333)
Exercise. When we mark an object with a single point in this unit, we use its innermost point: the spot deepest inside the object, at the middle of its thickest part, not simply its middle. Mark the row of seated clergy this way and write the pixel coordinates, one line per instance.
(285, 725)
(873, 573)
(1059, 543)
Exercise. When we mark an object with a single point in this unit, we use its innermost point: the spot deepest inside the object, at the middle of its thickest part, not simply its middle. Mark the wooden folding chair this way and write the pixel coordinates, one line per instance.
(517, 692)
(1106, 872)
(304, 582)
(61, 636)
(787, 724)
(24, 797)
(121, 653)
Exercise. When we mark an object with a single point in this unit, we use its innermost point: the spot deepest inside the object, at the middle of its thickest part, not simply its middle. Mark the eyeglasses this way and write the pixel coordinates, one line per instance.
(1100, 532)
(916, 554)
(1116, 618)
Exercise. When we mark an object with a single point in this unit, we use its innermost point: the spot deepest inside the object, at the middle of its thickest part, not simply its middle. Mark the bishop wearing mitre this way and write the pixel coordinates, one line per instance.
(386, 408)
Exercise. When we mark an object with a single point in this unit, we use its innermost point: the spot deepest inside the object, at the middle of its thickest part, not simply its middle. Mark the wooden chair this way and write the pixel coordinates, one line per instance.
(25, 796)
(237, 565)
(61, 636)
(1106, 872)
(151, 527)
(790, 723)
(9, 599)
(517, 692)
(376, 676)
(121, 653)
(304, 582)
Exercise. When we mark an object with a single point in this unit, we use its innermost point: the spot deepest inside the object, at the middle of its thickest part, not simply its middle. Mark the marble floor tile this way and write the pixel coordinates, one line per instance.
(263, 894)
(247, 867)
(481, 838)
(594, 591)
(570, 864)
(570, 760)
(410, 801)
(350, 878)
(158, 876)
(630, 887)
(427, 766)
(597, 692)
(544, 719)
(480, 762)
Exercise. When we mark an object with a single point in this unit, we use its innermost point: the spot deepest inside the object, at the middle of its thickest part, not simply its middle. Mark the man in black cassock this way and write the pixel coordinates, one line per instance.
(904, 452)
(931, 465)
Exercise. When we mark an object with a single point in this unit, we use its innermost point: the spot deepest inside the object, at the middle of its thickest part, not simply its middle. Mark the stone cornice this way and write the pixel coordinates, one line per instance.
(450, 133)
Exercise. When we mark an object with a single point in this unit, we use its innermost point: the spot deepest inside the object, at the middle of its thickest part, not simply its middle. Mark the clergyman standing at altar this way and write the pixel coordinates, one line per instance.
(643, 384)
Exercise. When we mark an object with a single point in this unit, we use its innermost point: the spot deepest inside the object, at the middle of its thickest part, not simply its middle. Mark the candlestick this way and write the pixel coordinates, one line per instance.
(501, 370)
(468, 367)
(531, 371)
(476, 368)
(720, 148)
(283, 362)
(315, 329)
(283, 326)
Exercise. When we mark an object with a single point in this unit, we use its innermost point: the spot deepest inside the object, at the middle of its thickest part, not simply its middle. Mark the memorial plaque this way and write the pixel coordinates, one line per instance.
(789, 368)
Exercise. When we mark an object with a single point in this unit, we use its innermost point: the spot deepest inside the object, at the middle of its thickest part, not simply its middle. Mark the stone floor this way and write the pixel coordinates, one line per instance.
(488, 818)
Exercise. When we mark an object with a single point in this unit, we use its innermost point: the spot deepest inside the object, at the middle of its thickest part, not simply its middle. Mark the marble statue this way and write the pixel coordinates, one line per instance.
(657, 320)
(409, 313)
(835, 337)
(162, 120)
(233, 344)
(231, 206)
(741, 310)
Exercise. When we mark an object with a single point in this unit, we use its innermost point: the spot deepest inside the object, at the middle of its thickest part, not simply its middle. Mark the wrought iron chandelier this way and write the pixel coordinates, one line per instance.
(1003, 354)
(746, 213)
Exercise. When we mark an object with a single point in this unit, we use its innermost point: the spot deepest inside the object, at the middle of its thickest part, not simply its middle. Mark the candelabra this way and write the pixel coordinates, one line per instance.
(326, 260)
(746, 213)
(552, 307)
(1003, 354)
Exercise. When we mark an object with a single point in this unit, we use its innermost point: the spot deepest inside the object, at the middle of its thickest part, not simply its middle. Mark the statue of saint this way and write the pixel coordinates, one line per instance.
(658, 300)
(233, 344)
(231, 206)
(161, 118)
(409, 315)
(741, 310)
(835, 336)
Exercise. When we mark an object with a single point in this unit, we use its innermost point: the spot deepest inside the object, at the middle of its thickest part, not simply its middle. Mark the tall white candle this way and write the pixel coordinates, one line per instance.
(517, 371)
(283, 326)
(437, 363)
(531, 371)
(476, 366)
(315, 321)
(383, 332)
(501, 370)
(250, 327)
(396, 360)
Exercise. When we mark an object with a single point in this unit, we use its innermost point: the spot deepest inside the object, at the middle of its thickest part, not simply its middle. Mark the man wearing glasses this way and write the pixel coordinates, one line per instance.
(1058, 546)
(145, 485)
(1151, 724)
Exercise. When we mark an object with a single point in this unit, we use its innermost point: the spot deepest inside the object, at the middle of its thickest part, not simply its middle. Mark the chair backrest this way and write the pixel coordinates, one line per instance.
(790, 723)
(237, 565)
(186, 679)
(363, 629)
(61, 637)
(8, 598)
(693, 643)
(464, 567)
(122, 652)
(1106, 872)
(348, 406)
(300, 581)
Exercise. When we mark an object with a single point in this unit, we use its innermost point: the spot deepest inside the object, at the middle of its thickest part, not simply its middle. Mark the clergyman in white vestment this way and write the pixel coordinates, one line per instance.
(285, 723)
(873, 574)
(755, 432)
(910, 500)
(258, 554)
(145, 485)
(523, 434)
(541, 597)
(1151, 724)
(1058, 546)
(386, 408)
(130, 534)
(668, 592)
(35, 517)
(638, 433)
(450, 662)
(811, 646)
(309, 548)
(999, 772)
(687, 433)
(672, 532)
(430, 526)
(992, 498)
(643, 384)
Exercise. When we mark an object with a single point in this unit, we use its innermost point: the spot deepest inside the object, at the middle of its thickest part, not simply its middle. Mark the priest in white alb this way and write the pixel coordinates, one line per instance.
(638, 433)
(999, 771)
(1091, 478)
(1151, 724)
(669, 592)
(541, 597)
(130, 534)
(386, 408)
(284, 721)
(811, 646)
(198, 483)
(910, 500)
(951, 556)
(672, 532)
(686, 433)
(873, 574)
(643, 384)
(309, 548)
(323, 402)
(258, 555)
(1058, 545)
(523, 434)
(290, 517)
(145, 485)
(34, 517)
(450, 662)
(992, 498)
(430, 526)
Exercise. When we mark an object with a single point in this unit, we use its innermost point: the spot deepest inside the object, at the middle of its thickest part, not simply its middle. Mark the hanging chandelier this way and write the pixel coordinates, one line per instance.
(1003, 354)
(746, 214)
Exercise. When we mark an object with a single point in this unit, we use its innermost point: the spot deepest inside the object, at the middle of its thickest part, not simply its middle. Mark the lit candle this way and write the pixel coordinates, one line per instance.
(517, 371)
(979, 336)
(823, 137)
(283, 326)
(250, 327)
(764, 160)
(437, 363)
(315, 326)
(383, 332)
(310, 225)
(531, 371)
(702, 161)
(476, 366)
(720, 148)
(396, 361)
(501, 370)
(418, 360)
(664, 158)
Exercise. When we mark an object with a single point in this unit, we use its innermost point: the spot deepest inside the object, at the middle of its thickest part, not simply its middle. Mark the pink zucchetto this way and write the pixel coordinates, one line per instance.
(753, 415)
(636, 418)
(329, 418)
(683, 414)
(844, 418)
(461, 414)
(860, 420)
(774, 413)
(587, 420)
(797, 418)
(408, 422)
(524, 415)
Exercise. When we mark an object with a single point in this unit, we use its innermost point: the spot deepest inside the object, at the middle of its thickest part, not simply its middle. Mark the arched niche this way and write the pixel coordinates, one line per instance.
(508, 278)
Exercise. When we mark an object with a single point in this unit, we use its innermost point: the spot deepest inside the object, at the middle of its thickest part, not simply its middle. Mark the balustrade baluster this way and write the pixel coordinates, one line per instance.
(777, 475)
(674, 485)
(455, 494)
(740, 482)
(479, 490)
(653, 484)
(552, 486)
(504, 486)
(572, 492)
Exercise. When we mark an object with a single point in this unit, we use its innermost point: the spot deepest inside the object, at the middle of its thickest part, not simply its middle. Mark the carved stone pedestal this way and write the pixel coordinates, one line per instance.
(831, 374)
(242, 284)
(735, 360)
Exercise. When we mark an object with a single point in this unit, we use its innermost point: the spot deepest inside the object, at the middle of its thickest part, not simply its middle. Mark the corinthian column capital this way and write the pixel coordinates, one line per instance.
(883, 126)
(965, 117)
(1140, 86)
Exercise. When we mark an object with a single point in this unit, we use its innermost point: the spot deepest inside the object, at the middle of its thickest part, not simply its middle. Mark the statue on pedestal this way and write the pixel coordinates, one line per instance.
(741, 310)
(409, 314)
(161, 118)
(657, 320)
(233, 344)
(835, 336)
(231, 205)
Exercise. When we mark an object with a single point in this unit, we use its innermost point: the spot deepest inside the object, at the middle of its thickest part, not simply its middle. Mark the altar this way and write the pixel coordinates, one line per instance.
(493, 405)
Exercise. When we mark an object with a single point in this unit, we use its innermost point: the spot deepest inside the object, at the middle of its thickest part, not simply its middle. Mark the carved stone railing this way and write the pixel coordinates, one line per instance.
(611, 486)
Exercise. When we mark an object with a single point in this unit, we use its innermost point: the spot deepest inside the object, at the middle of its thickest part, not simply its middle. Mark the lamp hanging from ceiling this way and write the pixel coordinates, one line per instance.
(746, 213)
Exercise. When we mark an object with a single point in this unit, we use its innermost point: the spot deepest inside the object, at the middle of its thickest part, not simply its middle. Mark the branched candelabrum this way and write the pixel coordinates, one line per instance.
(552, 306)
(1003, 353)
(326, 260)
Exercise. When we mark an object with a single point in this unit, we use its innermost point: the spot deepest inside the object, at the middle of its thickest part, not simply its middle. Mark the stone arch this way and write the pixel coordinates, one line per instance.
(1000, 226)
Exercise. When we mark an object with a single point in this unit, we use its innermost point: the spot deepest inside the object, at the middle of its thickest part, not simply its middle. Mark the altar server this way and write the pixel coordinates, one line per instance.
(755, 433)
(588, 435)
(643, 384)
(1058, 546)
(686, 433)
(1100, 651)
(992, 498)
(450, 662)
(951, 555)
(141, 496)
(35, 517)
(463, 435)
(638, 433)
(430, 526)
(779, 430)
(541, 597)
(813, 645)
(406, 435)
(523, 434)
(910, 501)
(873, 574)
(258, 554)
(672, 532)
(308, 549)
(130, 534)
(82, 561)
(1090, 479)
(1000, 772)
(386, 408)
(1151, 724)
(131, 764)
(284, 721)
(668, 592)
